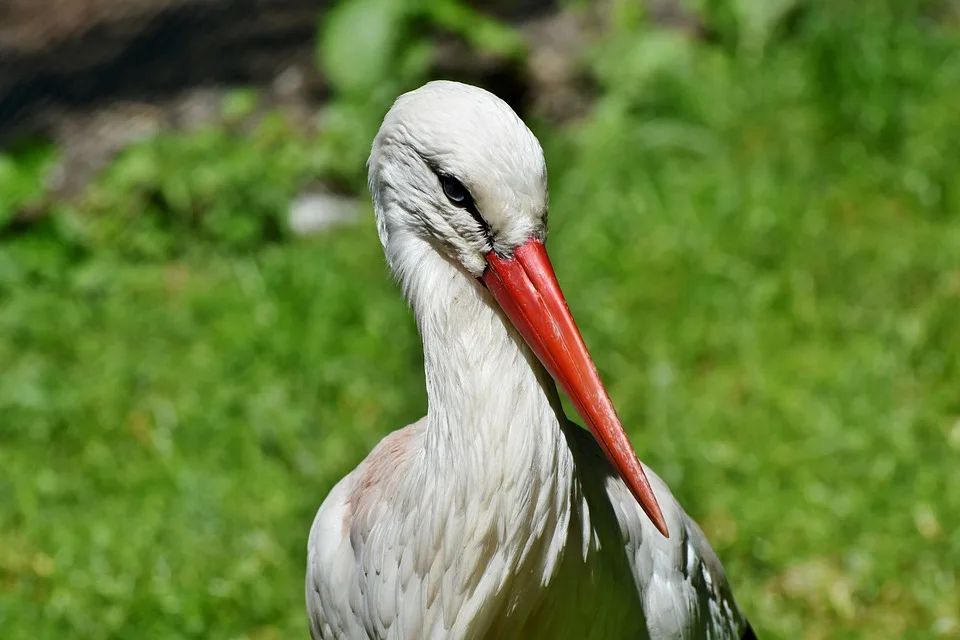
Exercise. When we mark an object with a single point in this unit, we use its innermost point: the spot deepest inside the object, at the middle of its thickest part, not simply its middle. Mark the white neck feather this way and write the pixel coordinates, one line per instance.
(485, 388)
(495, 426)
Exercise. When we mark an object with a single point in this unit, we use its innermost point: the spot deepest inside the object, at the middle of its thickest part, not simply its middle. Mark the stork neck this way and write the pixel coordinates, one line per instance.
(487, 393)
(495, 449)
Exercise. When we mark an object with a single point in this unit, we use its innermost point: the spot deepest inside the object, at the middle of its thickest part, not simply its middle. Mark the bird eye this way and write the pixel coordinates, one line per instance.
(456, 192)
(458, 195)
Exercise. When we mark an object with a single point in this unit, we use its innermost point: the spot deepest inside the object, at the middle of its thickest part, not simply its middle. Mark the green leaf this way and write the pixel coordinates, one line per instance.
(23, 176)
(359, 42)
(757, 19)
(479, 30)
(239, 104)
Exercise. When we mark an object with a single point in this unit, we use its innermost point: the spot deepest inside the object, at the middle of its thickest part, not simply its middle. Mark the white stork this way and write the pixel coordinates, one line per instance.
(494, 516)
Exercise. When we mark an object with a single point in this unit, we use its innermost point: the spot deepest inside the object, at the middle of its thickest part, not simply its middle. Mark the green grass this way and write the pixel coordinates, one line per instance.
(761, 244)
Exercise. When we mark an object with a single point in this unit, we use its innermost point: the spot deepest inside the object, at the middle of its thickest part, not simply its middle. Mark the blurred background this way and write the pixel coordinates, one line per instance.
(755, 213)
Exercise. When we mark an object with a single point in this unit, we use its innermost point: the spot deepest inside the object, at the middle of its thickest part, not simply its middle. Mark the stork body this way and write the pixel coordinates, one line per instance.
(494, 516)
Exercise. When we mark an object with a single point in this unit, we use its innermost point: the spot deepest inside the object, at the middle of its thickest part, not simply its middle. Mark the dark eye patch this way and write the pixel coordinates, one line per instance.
(459, 196)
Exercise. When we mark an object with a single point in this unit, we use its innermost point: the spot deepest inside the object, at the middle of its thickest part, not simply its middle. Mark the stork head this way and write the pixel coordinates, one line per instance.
(454, 166)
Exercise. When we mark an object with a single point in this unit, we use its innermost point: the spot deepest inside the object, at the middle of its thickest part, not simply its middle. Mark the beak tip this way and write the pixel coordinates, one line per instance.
(660, 523)
(643, 492)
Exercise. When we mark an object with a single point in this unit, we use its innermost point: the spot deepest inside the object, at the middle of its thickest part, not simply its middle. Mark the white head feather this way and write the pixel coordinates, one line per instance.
(461, 131)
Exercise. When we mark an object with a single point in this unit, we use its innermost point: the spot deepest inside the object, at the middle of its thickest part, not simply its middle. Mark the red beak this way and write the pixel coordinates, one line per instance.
(528, 292)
